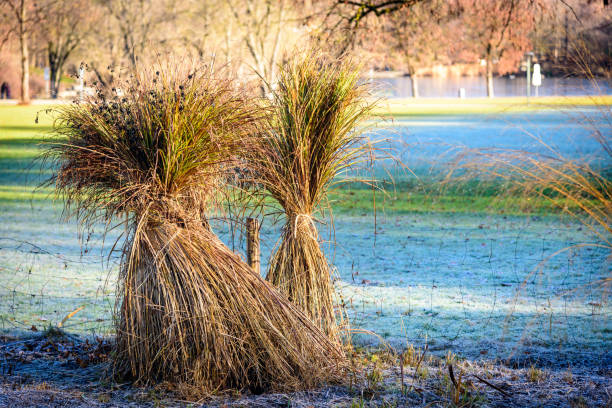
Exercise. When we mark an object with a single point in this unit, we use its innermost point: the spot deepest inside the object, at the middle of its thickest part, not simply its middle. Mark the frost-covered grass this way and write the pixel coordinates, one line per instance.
(456, 271)
(474, 284)
(46, 274)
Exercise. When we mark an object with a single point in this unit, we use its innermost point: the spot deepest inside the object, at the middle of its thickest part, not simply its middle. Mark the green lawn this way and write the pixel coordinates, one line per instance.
(359, 201)
(19, 132)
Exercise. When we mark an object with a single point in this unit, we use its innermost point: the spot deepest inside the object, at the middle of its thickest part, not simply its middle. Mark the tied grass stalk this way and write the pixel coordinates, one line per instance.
(194, 314)
(156, 156)
(312, 137)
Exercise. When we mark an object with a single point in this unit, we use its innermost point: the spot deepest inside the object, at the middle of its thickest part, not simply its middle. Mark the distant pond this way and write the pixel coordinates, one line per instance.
(400, 87)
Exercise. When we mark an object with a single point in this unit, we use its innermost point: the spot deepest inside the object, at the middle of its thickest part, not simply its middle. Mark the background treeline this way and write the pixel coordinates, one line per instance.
(415, 37)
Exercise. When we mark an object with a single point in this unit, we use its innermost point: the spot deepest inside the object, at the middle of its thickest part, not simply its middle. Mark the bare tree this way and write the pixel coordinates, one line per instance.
(345, 21)
(261, 26)
(135, 22)
(128, 31)
(499, 31)
(21, 17)
(63, 30)
(353, 11)
(5, 26)
(570, 28)
(205, 25)
(415, 36)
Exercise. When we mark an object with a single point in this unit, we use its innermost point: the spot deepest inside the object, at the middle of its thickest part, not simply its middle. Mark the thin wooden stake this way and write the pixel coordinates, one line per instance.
(253, 253)
(402, 372)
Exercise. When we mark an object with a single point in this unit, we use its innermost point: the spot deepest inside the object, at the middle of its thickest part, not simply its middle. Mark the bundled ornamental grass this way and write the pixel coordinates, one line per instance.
(311, 138)
(189, 311)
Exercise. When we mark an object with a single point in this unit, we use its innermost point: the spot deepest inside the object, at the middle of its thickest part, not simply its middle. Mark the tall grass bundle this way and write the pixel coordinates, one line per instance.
(189, 310)
(312, 137)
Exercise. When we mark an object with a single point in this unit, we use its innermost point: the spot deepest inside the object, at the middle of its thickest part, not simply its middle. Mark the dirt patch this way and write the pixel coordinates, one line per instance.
(54, 369)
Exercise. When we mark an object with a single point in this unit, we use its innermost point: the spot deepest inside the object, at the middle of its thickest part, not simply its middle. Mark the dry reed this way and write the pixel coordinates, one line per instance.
(154, 156)
(312, 137)
(580, 187)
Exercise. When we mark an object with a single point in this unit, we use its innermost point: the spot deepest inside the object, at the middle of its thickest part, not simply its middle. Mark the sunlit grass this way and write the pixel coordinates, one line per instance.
(399, 107)
(23, 193)
(359, 201)
(18, 120)
(20, 135)
(13, 117)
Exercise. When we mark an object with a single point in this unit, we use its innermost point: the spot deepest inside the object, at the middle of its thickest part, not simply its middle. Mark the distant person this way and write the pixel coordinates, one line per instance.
(5, 91)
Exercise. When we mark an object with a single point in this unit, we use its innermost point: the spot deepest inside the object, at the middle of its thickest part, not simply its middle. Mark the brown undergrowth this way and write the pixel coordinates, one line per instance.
(54, 369)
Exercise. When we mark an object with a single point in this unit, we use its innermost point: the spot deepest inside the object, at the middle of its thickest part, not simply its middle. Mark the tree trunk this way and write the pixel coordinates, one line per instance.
(54, 80)
(25, 58)
(56, 57)
(415, 85)
(489, 74)
(566, 56)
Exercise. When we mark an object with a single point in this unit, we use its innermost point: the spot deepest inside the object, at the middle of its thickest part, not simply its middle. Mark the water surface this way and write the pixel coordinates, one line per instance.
(503, 86)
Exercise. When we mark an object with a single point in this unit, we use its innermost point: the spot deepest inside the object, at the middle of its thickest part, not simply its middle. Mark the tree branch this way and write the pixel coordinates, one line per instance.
(378, 9)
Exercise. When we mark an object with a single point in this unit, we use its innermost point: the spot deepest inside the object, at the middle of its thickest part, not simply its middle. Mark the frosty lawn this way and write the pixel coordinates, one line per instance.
(464, 282)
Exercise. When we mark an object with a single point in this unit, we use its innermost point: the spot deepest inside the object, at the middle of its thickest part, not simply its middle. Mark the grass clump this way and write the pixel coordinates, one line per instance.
(310, 139)
(575, 186)
(153, 157)
(535, 374)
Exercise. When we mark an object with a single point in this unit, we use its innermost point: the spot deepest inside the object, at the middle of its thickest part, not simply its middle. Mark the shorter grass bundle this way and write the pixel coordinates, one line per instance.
(312, 137)
(189, 310)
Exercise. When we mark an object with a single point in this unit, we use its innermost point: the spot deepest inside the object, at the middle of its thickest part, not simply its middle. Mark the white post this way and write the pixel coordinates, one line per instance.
(47, 77)
(536, 79)
(81, 82)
